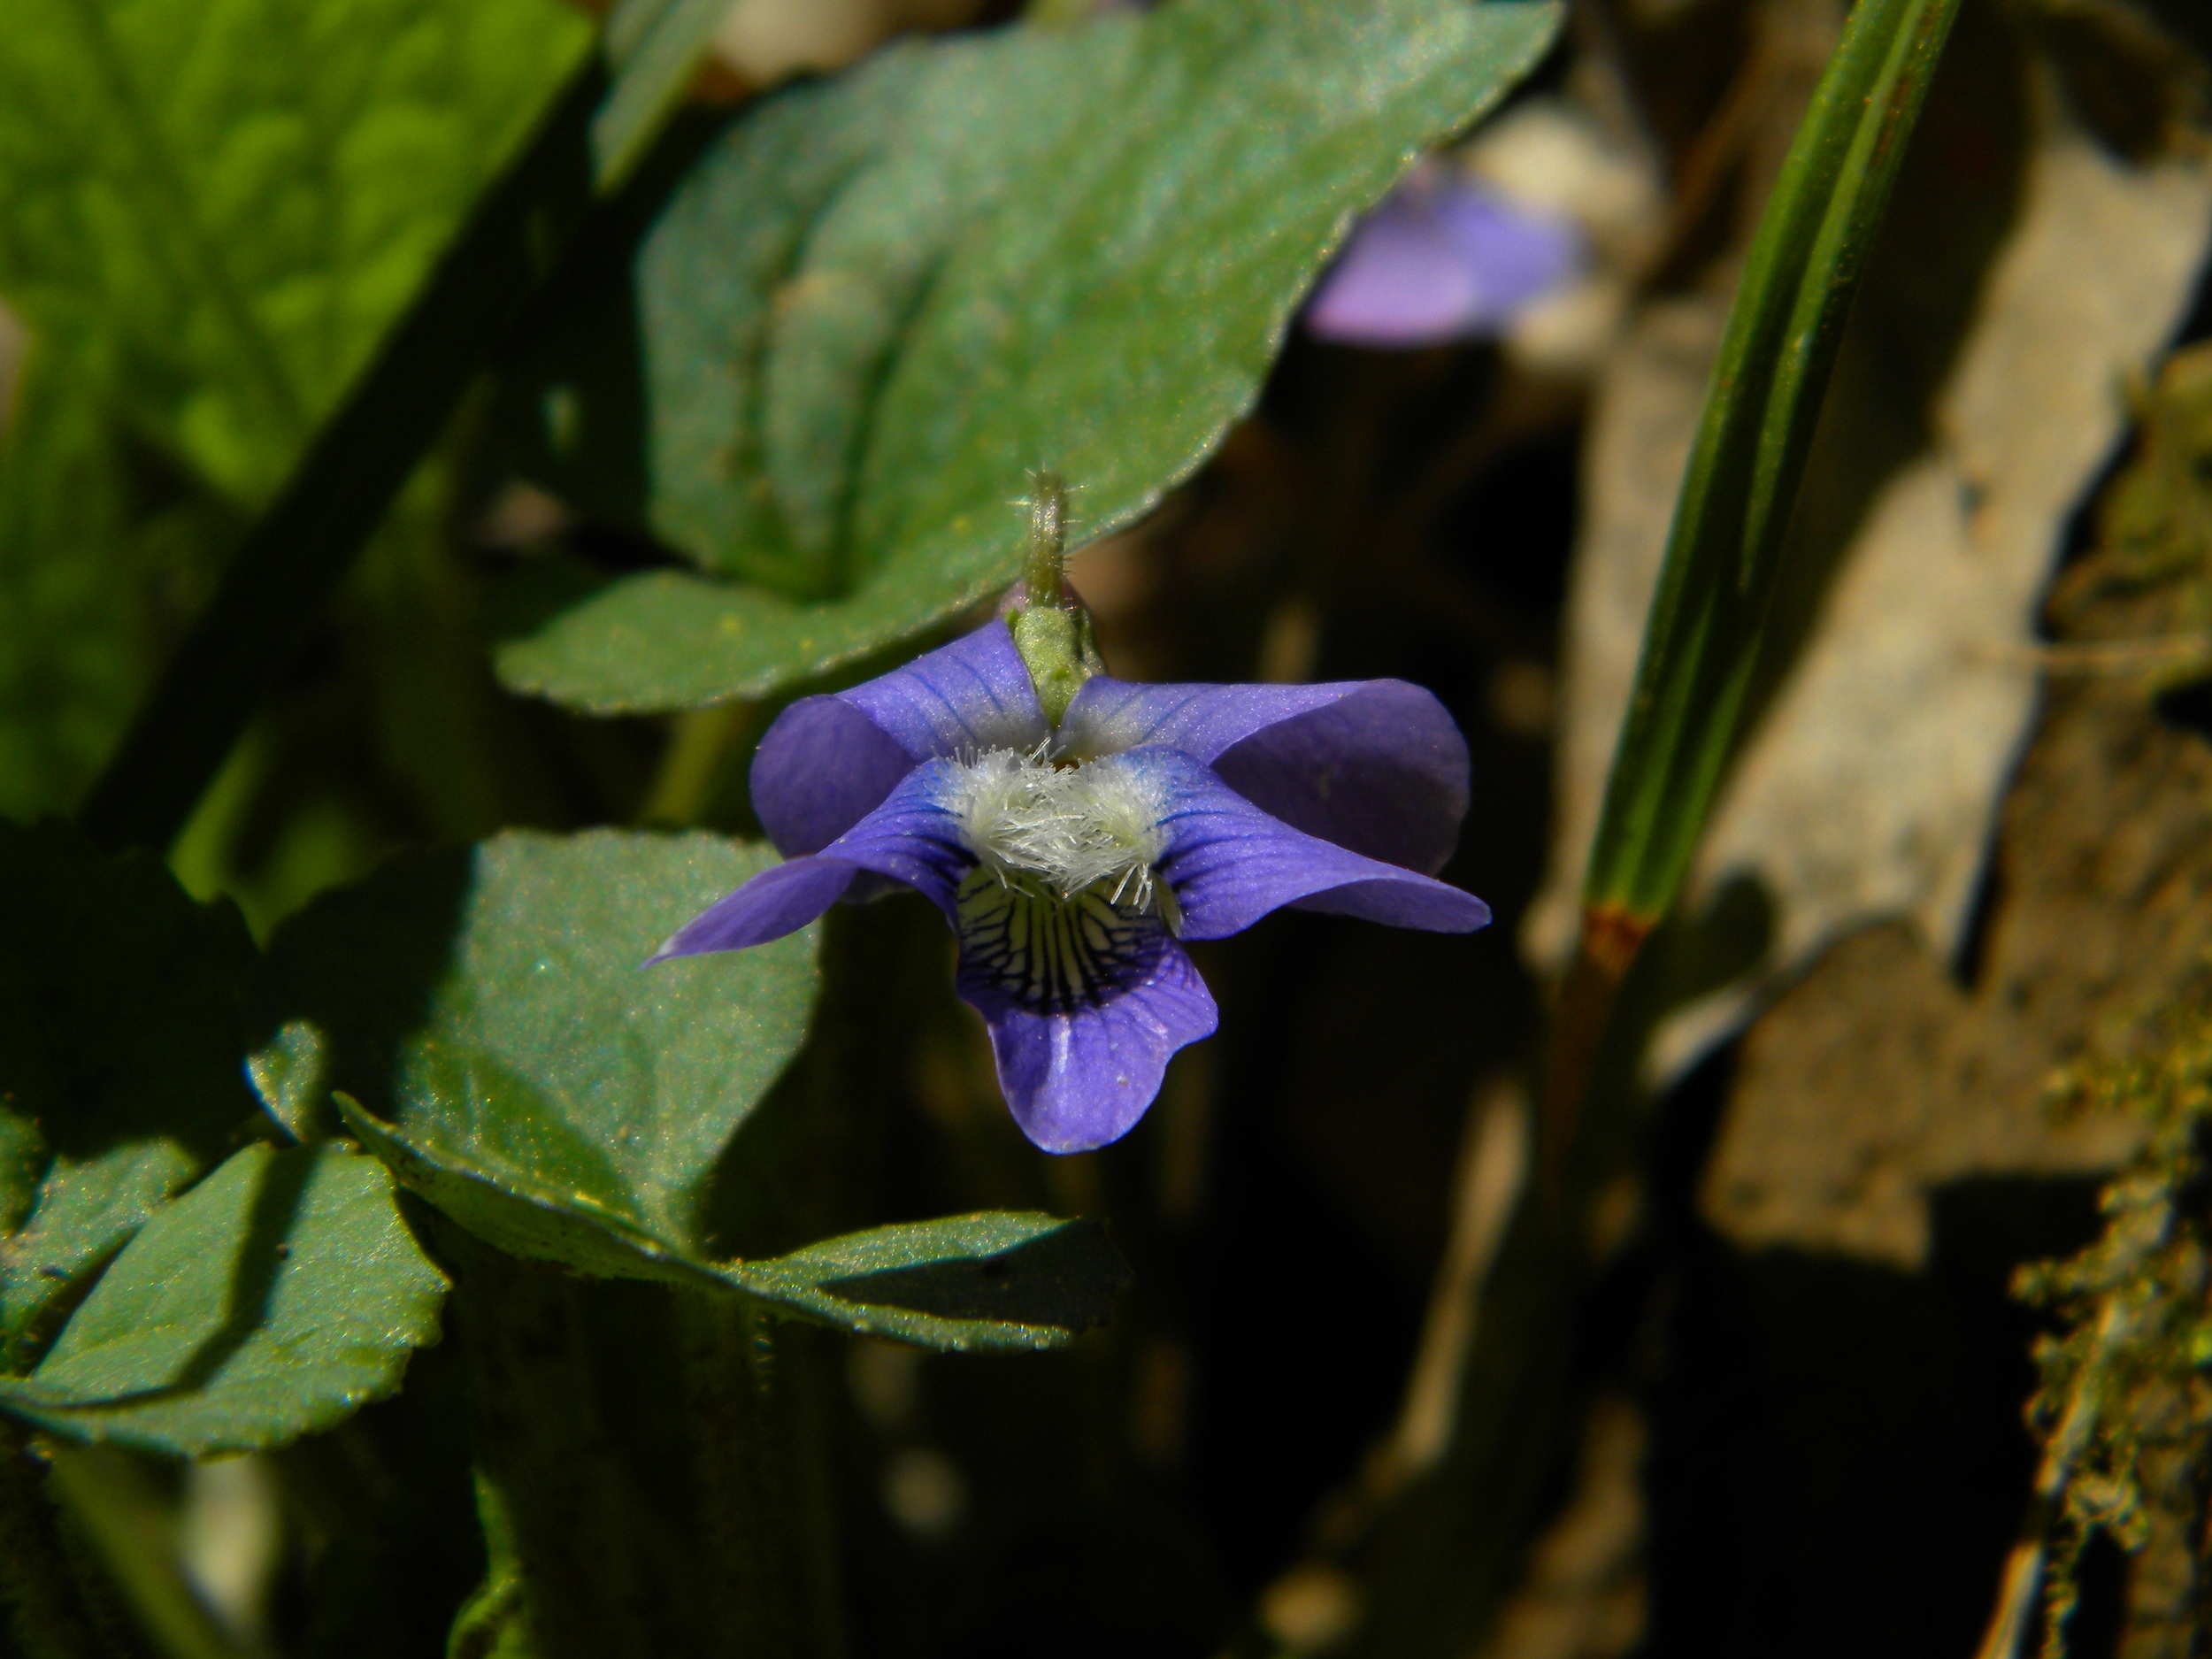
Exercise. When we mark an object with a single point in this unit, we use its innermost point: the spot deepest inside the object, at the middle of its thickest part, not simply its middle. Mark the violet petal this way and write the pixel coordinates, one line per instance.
(911, 838)
(828, 760)
(822, 766)
(1109, 715)
(973, 695)
(1376, 765)
(1230, 863)
(1440, 259)
(775, 903)
(1078, 1079)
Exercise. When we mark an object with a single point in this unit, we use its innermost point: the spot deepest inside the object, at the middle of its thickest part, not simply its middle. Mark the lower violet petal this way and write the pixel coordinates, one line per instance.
(1080, 1074)
(1229, 863)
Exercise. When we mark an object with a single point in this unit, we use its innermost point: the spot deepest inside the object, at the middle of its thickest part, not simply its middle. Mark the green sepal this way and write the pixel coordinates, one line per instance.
(1060, 648)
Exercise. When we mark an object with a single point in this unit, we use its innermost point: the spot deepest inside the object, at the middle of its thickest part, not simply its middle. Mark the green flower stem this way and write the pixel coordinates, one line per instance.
(701, 745)
(1044, 559)
(35, 1583)
(580, 1575)
(641, 1463)
(764, 1510)
(494, 1622)
(1051, 630)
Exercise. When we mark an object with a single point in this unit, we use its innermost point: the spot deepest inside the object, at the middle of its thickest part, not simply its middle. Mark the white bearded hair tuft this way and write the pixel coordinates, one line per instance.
(1096, 824)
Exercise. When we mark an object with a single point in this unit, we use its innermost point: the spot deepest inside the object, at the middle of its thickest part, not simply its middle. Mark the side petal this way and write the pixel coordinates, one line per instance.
(910, 837)
(828, 760)
(1383, 771)
(1078, 1079)
(775, 903)
(1376, 765)
(1229, 863)
(913, 837)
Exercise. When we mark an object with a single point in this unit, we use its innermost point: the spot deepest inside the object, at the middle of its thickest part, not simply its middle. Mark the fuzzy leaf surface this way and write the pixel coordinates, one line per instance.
(216, 207)
(276, 1297)
(488, 1006)
(879, 300)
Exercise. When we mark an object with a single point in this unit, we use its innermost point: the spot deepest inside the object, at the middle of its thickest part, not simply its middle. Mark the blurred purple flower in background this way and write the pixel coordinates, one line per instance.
(1071, 862)
(1443, 257)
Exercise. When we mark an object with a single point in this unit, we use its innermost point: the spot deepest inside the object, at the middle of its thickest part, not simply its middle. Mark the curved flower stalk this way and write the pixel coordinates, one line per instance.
(1072, 857)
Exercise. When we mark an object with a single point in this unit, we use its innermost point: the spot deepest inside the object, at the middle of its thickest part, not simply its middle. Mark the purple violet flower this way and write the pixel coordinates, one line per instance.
(1071, 862)
(1441, 257)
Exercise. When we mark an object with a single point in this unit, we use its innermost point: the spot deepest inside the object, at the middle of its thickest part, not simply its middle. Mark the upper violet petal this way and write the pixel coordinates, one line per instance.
(822, 766)
(973, 695)
(1109, 715)
(1382, 770)
(1230, 863)
(1080, 1079)
(828, 760)
(1376, 765)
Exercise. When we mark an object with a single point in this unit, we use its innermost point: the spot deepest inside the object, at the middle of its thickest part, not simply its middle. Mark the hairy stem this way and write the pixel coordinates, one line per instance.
(639, 1454)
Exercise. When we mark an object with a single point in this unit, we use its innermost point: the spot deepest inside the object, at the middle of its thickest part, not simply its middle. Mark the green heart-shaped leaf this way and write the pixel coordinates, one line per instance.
(482, 1021)
(488, 1006)
(881, 299)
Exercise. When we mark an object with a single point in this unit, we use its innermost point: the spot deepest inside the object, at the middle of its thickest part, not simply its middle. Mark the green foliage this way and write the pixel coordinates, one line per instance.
(118, 1061)
(213, 216)
(270, 1299)
(489, 1005)
(276, 1297)
(217, 209)
(262, 251)
(2126, 1379)
(999, 1280)
(483, 1022)
(881, 299)
(97, 550)
(1725, 555)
